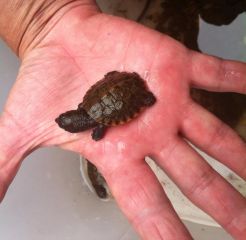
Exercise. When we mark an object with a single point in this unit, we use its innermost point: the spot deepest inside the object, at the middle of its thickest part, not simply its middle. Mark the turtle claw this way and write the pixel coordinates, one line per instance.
(98, 132)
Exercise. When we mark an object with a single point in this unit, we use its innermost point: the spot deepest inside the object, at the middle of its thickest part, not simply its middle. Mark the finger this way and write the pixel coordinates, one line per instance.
(142, 199)
(215, 138)
(205, 187)
(215, 74)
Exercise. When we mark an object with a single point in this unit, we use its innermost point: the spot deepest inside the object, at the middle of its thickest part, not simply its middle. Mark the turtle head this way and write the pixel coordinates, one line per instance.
(75, 121)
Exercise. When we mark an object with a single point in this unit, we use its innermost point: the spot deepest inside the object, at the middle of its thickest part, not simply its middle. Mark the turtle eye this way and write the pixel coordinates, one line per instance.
(64, 121)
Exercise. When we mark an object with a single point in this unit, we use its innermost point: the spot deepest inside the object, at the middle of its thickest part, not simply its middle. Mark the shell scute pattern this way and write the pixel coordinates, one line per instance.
(115, 100)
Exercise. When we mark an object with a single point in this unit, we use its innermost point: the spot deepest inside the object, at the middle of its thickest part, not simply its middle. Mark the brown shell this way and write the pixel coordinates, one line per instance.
(115, 99)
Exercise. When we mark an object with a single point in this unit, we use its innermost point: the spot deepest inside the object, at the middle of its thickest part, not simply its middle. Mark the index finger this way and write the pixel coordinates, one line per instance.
(216, 74)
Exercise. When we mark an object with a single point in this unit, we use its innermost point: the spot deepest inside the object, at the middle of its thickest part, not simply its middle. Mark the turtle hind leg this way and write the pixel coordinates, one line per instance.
(98, 132)
(149, 99)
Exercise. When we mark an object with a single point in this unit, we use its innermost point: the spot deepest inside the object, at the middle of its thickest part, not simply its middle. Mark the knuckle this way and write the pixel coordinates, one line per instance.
(221, 74)
(219, 132)
(205, 180)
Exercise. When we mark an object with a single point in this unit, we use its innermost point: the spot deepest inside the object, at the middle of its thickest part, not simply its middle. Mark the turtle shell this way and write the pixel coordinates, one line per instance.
(115, 99)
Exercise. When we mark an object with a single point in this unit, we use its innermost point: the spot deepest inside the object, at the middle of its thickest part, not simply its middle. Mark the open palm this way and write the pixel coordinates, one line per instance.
(55, 75)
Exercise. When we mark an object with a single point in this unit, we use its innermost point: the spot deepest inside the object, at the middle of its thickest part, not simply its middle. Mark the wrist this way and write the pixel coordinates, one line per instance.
(13, 149)
(24, 23)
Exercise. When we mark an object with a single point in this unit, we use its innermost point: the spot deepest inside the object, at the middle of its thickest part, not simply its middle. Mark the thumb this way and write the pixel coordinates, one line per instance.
(13, 149)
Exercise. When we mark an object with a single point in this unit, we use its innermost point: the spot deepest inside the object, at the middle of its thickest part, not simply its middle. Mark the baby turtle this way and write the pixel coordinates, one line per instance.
(115, 99)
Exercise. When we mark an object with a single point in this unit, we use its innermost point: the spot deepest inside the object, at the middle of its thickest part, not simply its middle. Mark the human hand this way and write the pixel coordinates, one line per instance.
(56, 73)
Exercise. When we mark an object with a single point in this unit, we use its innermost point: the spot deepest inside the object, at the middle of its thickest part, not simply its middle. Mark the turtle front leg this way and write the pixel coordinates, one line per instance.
(98, 132)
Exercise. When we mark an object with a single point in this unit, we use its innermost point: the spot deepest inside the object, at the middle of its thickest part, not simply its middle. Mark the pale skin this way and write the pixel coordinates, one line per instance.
(59, 66)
